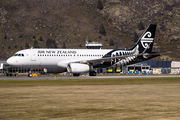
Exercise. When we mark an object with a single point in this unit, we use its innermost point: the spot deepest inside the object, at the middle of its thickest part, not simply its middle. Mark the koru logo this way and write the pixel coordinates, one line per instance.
(146, 40)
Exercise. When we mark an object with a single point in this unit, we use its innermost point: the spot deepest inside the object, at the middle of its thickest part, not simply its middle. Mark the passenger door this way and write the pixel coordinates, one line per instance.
(33, 55)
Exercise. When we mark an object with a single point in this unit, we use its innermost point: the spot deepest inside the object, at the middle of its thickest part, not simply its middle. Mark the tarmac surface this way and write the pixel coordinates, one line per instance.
(85, 77)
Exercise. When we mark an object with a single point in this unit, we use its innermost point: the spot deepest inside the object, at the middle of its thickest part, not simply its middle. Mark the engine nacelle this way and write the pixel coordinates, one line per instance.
(79, 68)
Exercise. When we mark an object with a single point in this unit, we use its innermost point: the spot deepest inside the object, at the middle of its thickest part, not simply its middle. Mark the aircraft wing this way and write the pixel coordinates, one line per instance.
(109, 59)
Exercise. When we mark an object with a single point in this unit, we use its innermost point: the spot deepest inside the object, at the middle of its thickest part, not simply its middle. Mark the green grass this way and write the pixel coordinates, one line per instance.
(121, 81)
(90, 99)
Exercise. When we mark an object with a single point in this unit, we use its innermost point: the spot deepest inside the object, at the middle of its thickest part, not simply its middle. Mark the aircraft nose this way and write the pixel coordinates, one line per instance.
(10, 61)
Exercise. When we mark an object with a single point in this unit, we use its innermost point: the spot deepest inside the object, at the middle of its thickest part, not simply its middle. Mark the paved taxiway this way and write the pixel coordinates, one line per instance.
(86, 77)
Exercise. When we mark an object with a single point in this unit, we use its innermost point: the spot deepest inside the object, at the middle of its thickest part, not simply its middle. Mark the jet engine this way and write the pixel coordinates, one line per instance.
(79, 68)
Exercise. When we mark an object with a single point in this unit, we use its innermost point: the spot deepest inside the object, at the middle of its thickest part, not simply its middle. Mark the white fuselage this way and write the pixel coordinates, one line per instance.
(54, 58)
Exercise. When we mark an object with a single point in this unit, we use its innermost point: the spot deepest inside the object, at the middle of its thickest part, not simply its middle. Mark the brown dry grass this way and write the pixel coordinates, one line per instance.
(133, 101)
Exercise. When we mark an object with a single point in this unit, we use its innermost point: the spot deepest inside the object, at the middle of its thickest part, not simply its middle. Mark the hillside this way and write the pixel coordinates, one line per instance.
(68, 23)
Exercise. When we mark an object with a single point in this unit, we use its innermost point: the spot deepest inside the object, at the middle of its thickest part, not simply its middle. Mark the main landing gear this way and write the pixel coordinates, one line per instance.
(93, 73)
(76, 74)
(30, 75)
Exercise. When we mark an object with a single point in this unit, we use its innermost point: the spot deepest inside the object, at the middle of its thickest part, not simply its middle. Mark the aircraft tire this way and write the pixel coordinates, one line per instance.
(93, 73)
(76, 74)
(30, 75)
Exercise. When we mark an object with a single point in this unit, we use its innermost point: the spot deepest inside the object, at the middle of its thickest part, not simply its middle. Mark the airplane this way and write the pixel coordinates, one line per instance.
(77, 61)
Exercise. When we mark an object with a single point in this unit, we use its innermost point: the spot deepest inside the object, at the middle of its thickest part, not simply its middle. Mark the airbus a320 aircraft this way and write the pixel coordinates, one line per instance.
(79, 61)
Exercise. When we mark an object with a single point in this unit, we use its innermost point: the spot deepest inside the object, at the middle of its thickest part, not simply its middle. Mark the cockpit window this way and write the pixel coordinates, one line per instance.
(20, 55)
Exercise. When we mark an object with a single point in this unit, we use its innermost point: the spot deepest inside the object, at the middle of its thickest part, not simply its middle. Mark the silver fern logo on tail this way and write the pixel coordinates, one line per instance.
(146, 40)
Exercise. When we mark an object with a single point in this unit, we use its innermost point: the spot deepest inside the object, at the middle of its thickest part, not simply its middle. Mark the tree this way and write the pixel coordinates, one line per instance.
(34, 37)
(102, 30)
(41, 39)
(110, 20)
(100, 5)
(20, 36)
(27, 45)
(141, 26)
(5, 37)
(89, 41)
(64, 45)
(111, 42)
(136, 37)
(35, 44)
(15, 46)
(51, 43)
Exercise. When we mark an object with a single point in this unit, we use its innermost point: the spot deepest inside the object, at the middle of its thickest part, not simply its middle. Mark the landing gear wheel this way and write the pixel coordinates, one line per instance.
(93, 73)
(76, 74)
(30, 75)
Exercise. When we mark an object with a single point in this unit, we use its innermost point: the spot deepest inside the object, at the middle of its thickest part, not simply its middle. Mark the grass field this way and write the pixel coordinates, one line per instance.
(89, 99)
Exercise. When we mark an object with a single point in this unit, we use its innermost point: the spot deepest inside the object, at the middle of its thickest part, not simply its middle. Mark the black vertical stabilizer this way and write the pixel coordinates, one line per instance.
(145, 43)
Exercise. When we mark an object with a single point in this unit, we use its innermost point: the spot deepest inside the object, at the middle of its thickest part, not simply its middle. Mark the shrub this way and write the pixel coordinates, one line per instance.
(136, 37)
(141, 26)
(100, 5)
(27, 45)
(51, 43)
(102, 30)
(64, 45)
(41, 39)
(111, 42)
(35, 44)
